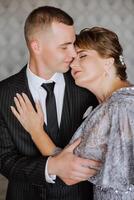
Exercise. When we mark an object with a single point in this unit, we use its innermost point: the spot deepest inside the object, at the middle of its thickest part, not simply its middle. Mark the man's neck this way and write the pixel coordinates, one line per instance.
(40, 71)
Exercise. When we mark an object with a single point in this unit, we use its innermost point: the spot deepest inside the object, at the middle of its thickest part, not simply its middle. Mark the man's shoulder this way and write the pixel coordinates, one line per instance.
(13, 79)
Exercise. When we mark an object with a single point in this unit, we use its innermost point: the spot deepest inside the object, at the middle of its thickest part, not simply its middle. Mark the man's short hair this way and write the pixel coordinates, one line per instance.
(42, 17)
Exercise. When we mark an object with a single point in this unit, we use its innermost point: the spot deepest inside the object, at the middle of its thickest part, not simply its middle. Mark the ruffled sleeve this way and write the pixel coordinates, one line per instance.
(94, 134)
(118, 169)
(108, 135)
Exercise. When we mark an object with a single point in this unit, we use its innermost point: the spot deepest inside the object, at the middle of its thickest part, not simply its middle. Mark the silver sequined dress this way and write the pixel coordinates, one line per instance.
(108, 134)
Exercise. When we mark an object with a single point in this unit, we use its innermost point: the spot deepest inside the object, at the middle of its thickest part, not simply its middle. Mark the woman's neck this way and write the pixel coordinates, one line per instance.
(117, 84)
(104, 90)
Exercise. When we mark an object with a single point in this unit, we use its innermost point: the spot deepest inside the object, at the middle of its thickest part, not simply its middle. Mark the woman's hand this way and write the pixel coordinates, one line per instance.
(31, 120)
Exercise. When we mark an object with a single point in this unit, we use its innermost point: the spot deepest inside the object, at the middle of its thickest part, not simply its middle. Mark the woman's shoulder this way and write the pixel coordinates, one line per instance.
(123, 95)
(120, 103)
(121, 99)
(114, 108)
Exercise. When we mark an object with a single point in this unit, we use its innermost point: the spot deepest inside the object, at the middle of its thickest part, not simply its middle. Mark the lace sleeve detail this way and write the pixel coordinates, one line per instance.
(108, 135)
(118, 169)
(94, 134)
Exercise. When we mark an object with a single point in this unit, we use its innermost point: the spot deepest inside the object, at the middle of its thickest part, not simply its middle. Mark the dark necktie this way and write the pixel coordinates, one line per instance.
(51, 111)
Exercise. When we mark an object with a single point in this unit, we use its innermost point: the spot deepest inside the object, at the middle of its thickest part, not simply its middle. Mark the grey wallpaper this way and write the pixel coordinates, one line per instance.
(118, 15)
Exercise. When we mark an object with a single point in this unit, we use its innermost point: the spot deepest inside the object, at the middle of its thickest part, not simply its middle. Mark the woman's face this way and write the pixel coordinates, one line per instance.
(88, 67)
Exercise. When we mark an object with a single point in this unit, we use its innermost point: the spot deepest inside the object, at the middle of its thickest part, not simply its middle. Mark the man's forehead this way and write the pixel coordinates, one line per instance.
(57, 27)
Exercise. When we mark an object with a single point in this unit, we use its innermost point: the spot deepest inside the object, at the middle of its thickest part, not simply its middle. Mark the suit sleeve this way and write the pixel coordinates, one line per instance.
(19, 158)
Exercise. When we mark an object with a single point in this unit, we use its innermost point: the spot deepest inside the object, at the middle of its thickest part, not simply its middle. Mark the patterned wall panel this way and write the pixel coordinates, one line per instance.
(118, 15)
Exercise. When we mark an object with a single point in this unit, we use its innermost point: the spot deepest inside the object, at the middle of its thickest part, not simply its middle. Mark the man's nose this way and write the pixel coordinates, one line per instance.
(74, 63)
(73, 53)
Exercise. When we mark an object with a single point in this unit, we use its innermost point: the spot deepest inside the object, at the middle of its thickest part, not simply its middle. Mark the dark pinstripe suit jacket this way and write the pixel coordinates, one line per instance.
(20, 160)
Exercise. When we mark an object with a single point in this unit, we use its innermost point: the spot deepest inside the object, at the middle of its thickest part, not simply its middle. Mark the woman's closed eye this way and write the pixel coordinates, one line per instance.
(82, 56)
(63, 48)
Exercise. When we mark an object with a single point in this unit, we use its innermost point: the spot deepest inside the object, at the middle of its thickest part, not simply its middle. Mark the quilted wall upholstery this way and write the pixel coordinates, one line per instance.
(117, 15)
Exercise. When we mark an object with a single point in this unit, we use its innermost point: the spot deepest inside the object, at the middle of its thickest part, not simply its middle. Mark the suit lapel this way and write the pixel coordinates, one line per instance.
(20, 85)
(67, 102)
(67, 119)
(70, 112)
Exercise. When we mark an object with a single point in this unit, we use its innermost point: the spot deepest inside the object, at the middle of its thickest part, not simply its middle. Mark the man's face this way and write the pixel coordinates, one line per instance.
(57, 47)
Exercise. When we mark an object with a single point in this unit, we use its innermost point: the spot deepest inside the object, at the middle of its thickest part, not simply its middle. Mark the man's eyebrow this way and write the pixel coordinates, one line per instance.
(66, 43)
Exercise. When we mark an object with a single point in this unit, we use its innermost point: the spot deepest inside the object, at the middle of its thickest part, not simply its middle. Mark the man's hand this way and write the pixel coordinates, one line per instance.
(71, 168)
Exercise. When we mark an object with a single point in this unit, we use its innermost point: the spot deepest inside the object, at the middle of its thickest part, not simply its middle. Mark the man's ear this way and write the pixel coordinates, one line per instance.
(35, 46)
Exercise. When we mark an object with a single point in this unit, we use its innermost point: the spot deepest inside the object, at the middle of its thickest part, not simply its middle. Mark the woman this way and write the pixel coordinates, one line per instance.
(108, 131)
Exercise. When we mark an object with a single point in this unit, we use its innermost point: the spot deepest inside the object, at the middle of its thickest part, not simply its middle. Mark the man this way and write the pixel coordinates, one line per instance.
(50, 37)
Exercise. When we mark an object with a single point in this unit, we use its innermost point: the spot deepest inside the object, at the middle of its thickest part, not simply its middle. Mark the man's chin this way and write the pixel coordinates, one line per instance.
(65, 70)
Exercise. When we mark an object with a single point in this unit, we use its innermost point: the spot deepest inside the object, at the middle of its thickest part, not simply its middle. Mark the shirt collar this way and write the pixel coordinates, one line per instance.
(37, 81)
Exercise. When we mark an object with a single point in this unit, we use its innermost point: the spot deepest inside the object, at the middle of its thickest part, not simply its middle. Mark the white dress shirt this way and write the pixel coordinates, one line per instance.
(39, 94)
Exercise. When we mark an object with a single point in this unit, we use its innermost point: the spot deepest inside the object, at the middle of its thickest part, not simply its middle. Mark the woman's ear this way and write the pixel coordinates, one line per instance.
(108, 64)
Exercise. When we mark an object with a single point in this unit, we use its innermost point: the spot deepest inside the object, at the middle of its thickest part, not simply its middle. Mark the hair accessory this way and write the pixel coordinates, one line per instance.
(121, 58)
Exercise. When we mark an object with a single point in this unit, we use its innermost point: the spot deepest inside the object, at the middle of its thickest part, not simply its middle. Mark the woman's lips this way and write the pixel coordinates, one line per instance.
(75, 73)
